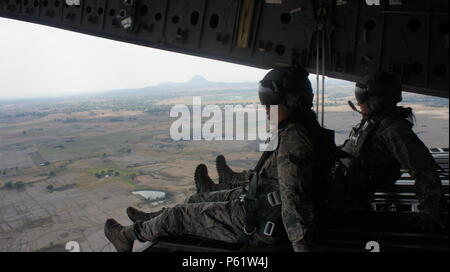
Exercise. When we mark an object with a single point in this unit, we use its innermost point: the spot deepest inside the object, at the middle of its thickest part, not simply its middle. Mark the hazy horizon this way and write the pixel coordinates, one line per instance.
(97, 92)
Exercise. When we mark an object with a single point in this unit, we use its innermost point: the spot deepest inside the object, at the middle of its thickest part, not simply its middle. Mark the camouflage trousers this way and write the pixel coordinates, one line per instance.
(215, 215)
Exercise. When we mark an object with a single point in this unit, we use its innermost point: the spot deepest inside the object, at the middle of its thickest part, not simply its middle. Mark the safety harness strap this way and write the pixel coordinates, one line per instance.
(253, 186)
(370, 128)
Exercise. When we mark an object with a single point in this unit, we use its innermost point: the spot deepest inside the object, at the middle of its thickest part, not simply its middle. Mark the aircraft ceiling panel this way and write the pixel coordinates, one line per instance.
(369, 40)
(151, 26)
(438, 58)
(50, 10)
(112, 26)
(156, 22)
(94, 14)
(286, 32)
(411, 49)
(29, 8)
(345, 31)
(407, 37)
(419, 50)
(71, 15)
(219, 27)
(184, 26)
(9, 8)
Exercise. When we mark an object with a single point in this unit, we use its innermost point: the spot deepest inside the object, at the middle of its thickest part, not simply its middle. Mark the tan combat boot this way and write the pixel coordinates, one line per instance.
(121, 237)
(203, 182)
(226, 174)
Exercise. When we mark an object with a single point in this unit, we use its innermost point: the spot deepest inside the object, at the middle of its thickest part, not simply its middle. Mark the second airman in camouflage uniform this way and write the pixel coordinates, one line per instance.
(383, 143)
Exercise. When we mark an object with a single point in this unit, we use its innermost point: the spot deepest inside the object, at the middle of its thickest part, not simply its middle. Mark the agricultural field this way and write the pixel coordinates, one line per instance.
(66, 165)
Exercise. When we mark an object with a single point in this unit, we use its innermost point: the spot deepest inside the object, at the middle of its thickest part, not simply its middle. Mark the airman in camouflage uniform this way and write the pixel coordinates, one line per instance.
(277, 200)
(383, 143)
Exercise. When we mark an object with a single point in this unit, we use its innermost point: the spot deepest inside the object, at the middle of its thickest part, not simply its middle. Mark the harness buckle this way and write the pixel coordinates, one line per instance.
(249, 233)
(268, 228)
(273, 199)
(242, 198)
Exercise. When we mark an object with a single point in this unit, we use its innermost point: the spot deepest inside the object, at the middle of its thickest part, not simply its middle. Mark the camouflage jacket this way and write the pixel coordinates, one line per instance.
(393, 146)
(289, 169)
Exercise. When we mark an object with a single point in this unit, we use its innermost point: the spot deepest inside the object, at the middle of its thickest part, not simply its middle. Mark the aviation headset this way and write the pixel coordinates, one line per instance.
(379, 84)
(287, 86)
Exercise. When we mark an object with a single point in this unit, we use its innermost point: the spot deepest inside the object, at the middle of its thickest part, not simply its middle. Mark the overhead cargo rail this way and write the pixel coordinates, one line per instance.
(349, 38)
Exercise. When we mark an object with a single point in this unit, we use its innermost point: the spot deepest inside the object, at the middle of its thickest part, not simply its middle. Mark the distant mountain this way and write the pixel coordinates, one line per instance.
(198, 81)
(197, 84)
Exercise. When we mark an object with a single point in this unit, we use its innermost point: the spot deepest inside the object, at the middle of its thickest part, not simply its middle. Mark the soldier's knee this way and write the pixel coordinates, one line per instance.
(173, 220)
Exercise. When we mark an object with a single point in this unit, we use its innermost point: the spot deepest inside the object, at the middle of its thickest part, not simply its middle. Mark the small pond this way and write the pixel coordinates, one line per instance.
(150, 194)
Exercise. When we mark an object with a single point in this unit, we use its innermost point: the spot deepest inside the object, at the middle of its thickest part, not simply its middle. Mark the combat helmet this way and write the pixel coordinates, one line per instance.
(379, 91)
(288, 86)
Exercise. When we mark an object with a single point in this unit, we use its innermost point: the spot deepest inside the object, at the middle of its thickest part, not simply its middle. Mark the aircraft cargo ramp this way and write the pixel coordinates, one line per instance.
(388, 225)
